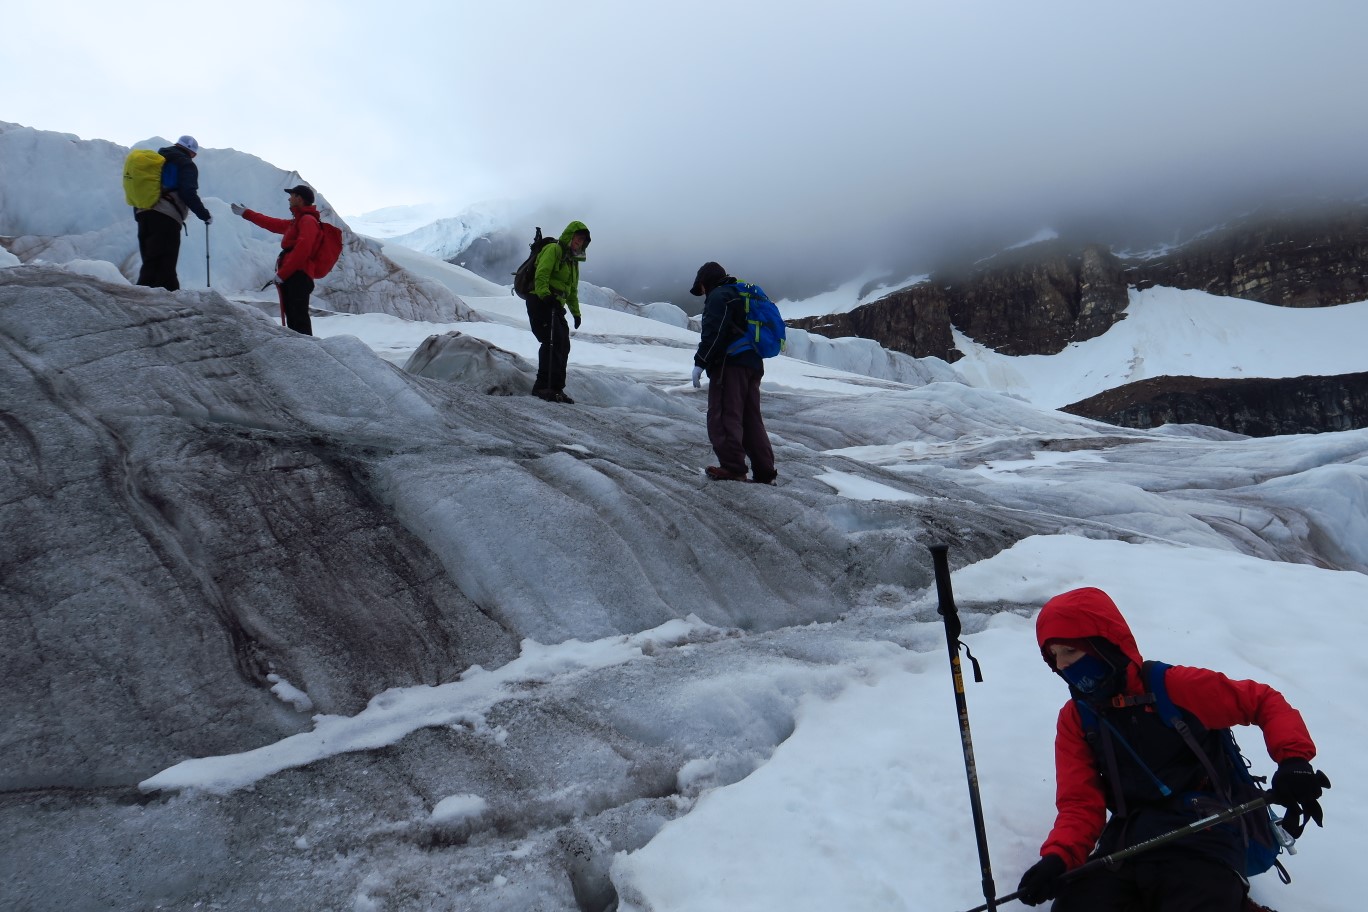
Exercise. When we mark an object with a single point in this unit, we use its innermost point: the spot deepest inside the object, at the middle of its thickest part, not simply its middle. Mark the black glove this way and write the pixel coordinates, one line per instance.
(1041, 880)
(577, 321)
(1296, 786)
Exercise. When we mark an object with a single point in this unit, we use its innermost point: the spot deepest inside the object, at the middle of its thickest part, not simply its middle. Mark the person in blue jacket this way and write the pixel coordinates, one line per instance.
(159, 228)
(736, 428)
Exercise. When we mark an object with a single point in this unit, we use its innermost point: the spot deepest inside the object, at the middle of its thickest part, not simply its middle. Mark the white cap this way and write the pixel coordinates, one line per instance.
(189, 143)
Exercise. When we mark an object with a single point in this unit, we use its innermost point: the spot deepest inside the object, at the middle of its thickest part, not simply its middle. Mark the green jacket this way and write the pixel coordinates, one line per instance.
(557, 274)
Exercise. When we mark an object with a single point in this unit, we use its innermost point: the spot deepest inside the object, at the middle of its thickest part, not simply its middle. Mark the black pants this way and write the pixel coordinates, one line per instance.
(159, 239)
(549, 326)
(294, 301)
(1166, 884)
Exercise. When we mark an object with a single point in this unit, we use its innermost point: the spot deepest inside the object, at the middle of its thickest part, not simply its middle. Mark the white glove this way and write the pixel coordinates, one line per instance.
(238, 208)
(697, 376)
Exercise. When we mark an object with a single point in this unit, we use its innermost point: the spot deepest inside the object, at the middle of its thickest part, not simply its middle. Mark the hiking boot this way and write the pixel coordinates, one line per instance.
(765, 478)
(561, 397)
(717, 473)
(545, 394)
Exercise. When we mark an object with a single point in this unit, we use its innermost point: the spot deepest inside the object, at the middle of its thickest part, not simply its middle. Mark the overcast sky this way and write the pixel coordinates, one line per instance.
(787, 140)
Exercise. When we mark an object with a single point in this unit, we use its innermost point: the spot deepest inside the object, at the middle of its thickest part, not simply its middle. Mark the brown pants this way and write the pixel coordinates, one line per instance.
(736, 428)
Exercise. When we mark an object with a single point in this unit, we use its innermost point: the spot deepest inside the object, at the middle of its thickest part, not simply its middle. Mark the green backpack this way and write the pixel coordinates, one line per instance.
(142, 178)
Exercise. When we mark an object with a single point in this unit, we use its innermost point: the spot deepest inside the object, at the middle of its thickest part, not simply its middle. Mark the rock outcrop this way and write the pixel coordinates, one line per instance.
(1035, 301)
(1257, 407)
(1290, 262)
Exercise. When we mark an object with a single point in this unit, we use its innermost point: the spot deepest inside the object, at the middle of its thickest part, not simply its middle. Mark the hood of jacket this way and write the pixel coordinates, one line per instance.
(569, 232)
(1082, 613)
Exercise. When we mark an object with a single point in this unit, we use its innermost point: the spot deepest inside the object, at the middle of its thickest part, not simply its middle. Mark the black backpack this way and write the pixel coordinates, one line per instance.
(526, 275)
(1230, 772)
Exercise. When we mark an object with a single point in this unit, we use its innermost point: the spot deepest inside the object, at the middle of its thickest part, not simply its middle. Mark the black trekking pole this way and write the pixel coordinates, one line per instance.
(206, 256)
(950, 614)
(1196, 826)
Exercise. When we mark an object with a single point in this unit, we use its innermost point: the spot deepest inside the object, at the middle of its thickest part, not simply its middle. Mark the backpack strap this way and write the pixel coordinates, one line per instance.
(1154, 674)
(1108, 732)
(1109, 757)
(739, 320)
(1221, 785)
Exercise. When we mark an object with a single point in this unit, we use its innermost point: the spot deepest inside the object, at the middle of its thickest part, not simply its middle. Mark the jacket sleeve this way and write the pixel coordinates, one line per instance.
(1219, 702)
(572, 293)
(296, 259)
(279, 226)
(1079, 798)
(715, 330)
(547, 261)
(187, 188)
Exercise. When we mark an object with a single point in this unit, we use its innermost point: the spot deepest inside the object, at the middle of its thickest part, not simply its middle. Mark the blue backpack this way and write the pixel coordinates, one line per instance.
(1235, 783)
(764, 331)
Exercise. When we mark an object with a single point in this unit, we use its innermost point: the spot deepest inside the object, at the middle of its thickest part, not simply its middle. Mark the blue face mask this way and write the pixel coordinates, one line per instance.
(1088, 675)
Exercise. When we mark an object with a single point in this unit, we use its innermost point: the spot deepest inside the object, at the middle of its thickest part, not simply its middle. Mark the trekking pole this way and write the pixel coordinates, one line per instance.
(1206, 822)
(206, 255)
(950, 614)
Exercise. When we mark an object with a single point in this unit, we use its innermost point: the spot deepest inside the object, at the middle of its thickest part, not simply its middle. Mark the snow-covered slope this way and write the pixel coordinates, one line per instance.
(446, 237)
(1171, 332)
(61, 201)
(366, 638)
(847, 296)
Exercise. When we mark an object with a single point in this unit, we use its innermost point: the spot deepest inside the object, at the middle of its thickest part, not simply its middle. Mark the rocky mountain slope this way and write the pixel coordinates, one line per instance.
(1038, 299)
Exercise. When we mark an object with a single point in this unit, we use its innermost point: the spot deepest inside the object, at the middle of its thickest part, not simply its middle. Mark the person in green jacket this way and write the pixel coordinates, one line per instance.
(555, 287)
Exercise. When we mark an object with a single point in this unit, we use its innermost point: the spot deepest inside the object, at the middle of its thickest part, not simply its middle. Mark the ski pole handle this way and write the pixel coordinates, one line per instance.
(945, 598)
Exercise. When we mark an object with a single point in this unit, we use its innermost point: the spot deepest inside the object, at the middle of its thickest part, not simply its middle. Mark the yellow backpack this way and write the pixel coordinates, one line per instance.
(142, 178)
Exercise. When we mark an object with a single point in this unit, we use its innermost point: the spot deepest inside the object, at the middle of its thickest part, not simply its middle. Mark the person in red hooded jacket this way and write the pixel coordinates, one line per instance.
(1086, 641)
(302, 235)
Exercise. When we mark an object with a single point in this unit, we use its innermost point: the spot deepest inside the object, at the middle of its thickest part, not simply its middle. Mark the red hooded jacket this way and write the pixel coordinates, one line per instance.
(1216, 701)
(301, 240)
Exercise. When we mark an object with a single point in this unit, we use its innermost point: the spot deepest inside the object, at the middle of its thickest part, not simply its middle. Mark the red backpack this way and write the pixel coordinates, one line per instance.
(326, 254)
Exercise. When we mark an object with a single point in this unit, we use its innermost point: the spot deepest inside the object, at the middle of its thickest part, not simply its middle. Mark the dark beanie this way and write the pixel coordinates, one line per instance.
(710, 275)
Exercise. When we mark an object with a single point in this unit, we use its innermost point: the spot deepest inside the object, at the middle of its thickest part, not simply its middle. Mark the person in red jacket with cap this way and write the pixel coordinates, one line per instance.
(302, 235)
(1086, 641)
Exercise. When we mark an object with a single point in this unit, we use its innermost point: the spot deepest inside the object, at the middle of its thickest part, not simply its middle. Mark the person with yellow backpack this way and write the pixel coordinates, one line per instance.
(163, 189)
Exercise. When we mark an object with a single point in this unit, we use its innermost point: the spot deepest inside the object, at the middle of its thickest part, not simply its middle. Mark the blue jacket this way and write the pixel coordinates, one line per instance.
(724, 319)
(182, 199)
